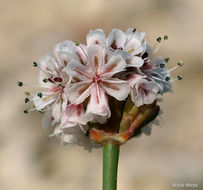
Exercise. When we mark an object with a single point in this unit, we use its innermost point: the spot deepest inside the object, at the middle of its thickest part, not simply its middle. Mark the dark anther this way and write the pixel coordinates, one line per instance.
(166, 59)
(27, 100)
(39, 94)
(165, 37)
(20, 83)
(34, 64)
(162, 65)
(167, 78)
(25, 111)
(45, 80)
(158, 39)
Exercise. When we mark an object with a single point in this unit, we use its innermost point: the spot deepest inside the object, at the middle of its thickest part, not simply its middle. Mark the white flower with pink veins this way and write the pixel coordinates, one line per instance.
(142, 91)
(95, 79)
(130, 44)
(53, 79)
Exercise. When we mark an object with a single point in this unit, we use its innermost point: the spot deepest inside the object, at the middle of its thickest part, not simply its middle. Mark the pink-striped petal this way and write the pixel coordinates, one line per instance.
(133, 79)
(78, 71)
(78, 92)
(95, 58)
(119, 89)
(98, 108)
(144, 92)
(114, 65)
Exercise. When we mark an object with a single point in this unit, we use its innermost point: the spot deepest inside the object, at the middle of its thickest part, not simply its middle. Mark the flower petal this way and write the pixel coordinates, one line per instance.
(133, 79)
(98, 108)
(78, 70)
(75, 115)
(135, 42)
(81, 51)
(47, 120)
(78, 92)
(67, 47)
(48, 65)
(144, 92)
(114, 65)
(95, 54)
(119, 89)
(56, 111)
(135, 61)
(96, 37)
(116, 39)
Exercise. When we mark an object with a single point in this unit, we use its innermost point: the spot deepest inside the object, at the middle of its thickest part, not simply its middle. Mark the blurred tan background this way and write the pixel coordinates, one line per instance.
(29, 159)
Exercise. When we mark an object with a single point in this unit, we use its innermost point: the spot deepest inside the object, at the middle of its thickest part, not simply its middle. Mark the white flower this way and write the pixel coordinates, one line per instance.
(130, 44)
(95, 80)
(142, 91)
(54, 79)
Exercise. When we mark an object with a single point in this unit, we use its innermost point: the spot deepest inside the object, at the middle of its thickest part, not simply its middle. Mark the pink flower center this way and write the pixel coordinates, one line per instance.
(96, 79)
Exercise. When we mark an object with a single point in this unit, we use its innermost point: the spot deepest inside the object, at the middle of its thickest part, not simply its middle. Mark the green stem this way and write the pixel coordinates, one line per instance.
(110, 166)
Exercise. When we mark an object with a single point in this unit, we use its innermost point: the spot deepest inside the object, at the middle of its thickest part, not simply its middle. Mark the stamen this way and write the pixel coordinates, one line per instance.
(158, 39)
(162, 65)
(158, 74)
(34, 64)
(39, 94)
(157, 46)
(166, 37)
(160, 79)
(27, 100)
(166, 59)
(179, 77)
(34, 85)
(45, 80)
(25, 111)
(167, 78)
(134, 30)
(20, 84)
(180, 63)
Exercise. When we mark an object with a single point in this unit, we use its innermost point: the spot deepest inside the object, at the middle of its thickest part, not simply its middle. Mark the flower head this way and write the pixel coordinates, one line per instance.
(104, 90)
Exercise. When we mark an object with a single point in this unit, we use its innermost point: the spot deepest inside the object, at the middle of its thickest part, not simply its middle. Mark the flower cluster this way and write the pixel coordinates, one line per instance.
(85, 86)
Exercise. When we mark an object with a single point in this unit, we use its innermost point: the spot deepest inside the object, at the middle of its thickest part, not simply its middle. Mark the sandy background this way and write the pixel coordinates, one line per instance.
(29, 159)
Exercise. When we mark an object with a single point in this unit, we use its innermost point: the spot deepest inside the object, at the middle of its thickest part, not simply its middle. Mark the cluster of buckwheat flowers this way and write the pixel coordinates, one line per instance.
(106, 90)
